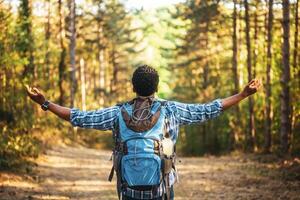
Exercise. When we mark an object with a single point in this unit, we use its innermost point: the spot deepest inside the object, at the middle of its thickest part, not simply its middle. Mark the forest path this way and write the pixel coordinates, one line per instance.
(80, 173)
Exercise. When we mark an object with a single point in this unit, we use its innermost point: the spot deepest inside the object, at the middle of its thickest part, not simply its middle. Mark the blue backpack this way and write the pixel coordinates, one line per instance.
(138, 158)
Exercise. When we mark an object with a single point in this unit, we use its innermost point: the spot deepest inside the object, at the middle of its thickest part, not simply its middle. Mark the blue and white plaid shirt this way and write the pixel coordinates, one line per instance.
(176, 114)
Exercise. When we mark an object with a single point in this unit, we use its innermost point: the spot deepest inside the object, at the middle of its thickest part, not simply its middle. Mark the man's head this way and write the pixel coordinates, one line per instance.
(145, 80)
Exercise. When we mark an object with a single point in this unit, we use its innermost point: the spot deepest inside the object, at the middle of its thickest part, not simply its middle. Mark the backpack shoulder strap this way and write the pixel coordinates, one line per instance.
(162, 102)
(117, 139)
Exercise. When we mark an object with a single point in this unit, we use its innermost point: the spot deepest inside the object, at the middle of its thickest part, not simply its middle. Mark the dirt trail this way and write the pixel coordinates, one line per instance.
(80, 173)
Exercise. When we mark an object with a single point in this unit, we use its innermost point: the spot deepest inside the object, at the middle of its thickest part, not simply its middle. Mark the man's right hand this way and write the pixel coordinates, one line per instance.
(35, 94)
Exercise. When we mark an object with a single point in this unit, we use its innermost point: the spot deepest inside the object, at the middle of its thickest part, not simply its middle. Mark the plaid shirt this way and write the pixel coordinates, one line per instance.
(176, 114)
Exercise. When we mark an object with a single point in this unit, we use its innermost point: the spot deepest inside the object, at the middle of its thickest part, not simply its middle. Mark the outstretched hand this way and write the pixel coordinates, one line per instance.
(251, 87)
(248, 90)
(35, 94)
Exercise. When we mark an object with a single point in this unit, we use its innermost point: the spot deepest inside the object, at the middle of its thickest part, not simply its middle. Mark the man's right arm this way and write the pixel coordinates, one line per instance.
(60, 111)
(102, 119)
(37, 96)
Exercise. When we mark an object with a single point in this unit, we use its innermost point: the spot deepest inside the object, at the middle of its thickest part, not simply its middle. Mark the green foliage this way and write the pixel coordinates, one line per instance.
(200, 34)
(15, 146)
(16, 116)
(189, 43)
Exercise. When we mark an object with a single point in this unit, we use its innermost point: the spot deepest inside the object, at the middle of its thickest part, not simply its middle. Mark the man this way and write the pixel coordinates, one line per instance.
(140, 116)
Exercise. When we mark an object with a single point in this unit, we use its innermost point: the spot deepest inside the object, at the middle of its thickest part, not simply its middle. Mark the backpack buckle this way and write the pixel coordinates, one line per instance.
(124, 186)
(157, 147)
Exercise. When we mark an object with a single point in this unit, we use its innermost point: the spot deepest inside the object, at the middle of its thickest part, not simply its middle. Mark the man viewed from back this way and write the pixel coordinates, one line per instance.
(145, 130)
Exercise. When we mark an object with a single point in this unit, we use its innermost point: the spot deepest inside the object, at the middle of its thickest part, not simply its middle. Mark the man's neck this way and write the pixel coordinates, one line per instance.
(145, 97)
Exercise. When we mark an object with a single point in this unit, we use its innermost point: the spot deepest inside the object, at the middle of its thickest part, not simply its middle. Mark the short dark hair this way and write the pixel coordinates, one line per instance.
(145, 80)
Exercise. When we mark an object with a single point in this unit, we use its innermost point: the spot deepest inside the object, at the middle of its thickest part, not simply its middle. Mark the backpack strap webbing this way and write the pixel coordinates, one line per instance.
(117, 140)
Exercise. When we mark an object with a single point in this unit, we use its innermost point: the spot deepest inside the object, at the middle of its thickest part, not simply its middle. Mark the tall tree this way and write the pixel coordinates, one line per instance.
(255, 38)
(82, 83)
(296, 71)
(101, 50)
(235, 90)
(62, 64)
(268, 121)
(250, 134)
(47, 41)
(285, 121)
(295, 52)
(72, 46)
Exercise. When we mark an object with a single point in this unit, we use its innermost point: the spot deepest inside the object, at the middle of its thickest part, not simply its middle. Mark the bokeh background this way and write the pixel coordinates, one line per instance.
(82, 54)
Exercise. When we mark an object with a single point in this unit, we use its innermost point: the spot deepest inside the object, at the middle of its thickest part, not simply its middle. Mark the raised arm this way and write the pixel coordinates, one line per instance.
(248, 90)
(195, 113)
(37, 96)
(102, 119)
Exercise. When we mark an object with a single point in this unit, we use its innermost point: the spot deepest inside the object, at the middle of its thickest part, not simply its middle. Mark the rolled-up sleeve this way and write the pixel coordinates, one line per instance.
(195, 113)
(102, 119)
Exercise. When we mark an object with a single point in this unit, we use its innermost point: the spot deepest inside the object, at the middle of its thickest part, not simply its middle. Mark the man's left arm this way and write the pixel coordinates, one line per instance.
(248, 90)
(195, 113)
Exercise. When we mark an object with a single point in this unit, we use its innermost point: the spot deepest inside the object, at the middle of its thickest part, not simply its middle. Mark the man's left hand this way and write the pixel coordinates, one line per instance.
(251, 87)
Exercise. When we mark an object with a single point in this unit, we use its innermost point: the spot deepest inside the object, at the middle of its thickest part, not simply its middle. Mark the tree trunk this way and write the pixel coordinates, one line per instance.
(285, 106)
(82, 81)
(102, 76)
(295, 53)
(251, 131)
(72, 45)
(95, 78)
(234, 134)
(101, 60)
(268, 122)
(47, 40)
(206, 65)
(62, 64)
(205, 75)
(114, 79)
(101, 53)
(296, 79)
(255, 49)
